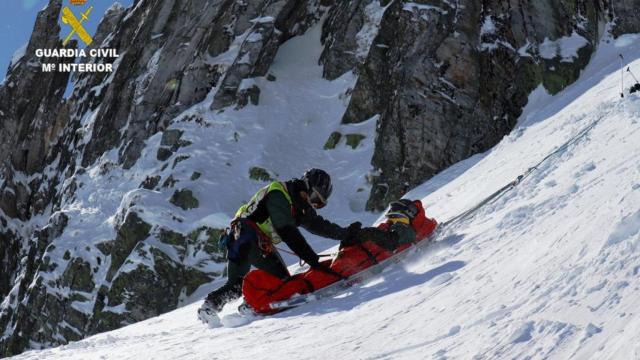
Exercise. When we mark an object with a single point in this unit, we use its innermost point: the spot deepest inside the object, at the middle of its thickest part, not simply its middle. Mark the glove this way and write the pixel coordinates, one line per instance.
(351, 236)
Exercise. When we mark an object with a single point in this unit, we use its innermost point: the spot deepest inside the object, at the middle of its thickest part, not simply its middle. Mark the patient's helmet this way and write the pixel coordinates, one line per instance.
(403, 210)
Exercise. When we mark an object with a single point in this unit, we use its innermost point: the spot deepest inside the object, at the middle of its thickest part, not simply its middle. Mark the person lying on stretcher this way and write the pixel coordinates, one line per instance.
(405, 224)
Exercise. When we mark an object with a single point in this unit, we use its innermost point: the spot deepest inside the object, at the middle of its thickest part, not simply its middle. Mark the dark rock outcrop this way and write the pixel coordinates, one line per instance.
(625, 15)
(449, 79)
(184, 199)
(340, 36)
(32, 114)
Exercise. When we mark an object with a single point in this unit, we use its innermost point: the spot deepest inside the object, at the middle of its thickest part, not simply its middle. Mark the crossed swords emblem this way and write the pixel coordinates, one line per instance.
(76, 25)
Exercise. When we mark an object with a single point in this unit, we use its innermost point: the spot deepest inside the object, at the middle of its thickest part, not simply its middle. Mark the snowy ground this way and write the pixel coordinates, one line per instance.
(549, 270)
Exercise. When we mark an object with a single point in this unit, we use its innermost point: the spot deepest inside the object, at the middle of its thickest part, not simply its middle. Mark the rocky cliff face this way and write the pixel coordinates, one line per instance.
(443, 79)
(448, 79)
(172, 54)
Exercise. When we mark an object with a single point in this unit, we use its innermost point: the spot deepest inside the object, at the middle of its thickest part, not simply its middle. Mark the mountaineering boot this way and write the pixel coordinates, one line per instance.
(208, 315)
(215, 301)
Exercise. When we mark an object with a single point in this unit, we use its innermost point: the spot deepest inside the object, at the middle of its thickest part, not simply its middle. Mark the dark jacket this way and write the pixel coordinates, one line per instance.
(287, 217)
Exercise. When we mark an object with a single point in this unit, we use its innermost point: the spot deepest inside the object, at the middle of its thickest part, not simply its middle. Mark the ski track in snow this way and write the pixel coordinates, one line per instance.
(549, 270)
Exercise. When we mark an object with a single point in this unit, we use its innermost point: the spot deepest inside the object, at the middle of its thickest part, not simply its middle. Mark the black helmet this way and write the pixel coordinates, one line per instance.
(404, 207)
(319, 186)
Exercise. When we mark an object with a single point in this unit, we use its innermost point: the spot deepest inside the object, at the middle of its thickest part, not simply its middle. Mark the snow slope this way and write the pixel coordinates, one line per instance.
(549, 270)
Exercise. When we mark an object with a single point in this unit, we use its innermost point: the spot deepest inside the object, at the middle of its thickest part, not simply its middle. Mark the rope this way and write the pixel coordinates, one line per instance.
(632, 74)
(636, 86)
(301, 262)
(284, 250)
(292, 253)
(523, 176)
(482, 203)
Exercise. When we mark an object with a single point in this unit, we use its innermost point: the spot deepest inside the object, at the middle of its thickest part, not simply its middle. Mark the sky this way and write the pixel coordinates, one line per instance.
(17, 19)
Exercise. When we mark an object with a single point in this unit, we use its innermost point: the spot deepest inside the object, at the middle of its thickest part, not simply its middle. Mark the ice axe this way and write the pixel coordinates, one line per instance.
(636, 86)
(621, 75)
